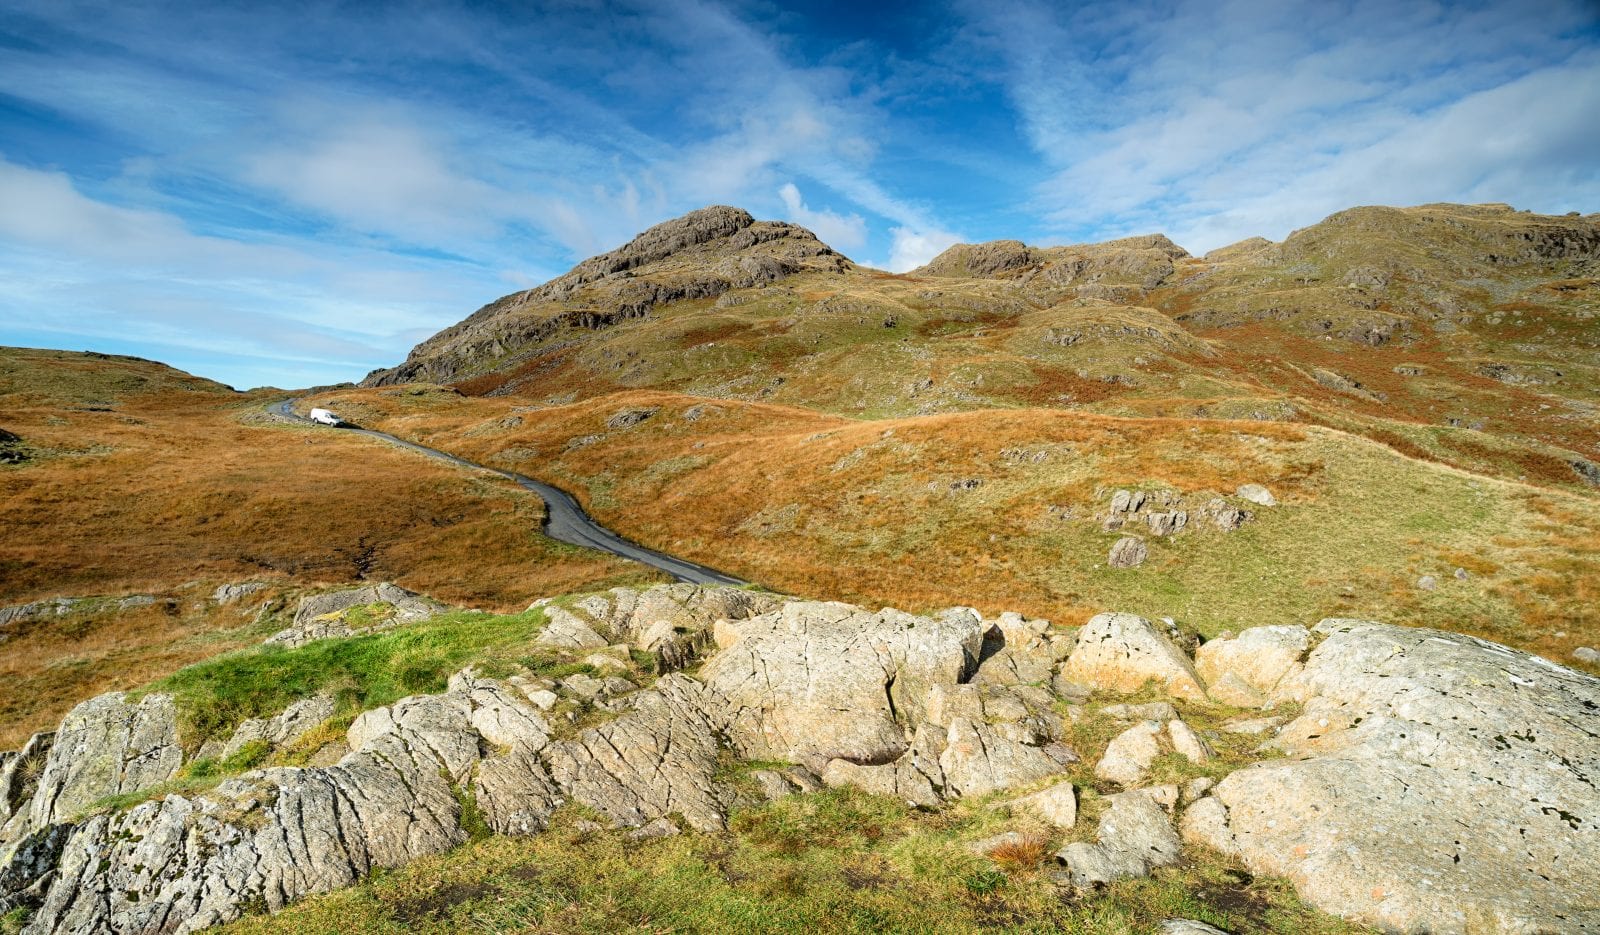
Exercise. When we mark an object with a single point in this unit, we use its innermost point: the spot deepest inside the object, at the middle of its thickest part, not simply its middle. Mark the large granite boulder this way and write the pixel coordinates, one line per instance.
(1435, 782)
(811, 682)
(1124, 652)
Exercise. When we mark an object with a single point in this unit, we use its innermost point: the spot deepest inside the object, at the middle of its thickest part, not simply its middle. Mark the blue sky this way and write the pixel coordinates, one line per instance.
(293, 194)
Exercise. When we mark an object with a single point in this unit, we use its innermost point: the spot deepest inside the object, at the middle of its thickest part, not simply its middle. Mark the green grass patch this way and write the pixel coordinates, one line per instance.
(362, 672)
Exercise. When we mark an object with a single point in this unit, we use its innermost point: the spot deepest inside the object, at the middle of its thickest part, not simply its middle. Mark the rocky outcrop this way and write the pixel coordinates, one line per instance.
(232, 593)
(702, 254)
(19, 777)
(673, 623)
(325, 616)
(1122, 652)
(1435, 782)
(1431, 782)
(280, 730)
(1253, 663)
(107, 746)
(976, 260)
(656, 760)
(813, 682)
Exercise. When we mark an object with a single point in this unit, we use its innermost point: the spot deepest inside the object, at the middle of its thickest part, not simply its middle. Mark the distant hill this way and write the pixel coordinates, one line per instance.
(1468, 334)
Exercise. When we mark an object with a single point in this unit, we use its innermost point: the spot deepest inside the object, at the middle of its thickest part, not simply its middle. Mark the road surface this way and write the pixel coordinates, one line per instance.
(565, 520)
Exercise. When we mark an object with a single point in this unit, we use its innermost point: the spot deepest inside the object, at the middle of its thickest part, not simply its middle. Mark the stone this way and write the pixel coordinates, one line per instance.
(1586, 654)
(773, 784)
(654, 830)
(1017, 651)
(269, 837)
(1135, 836)
(325, 616)
(812, 682)
(1407, 738)
(1195, 789)
(106, 746)
(1123, 652)
(674, 623)
(1129, 755)
(566, 630)
(283, 729)
(1260, 657)
(1188, 744)
(658, 759)
(232, 593)
(1257, 494)
(1167, 524)
(1232, 690)
(1187, 927)
(1057, 805)
(19, 777)
(978, 760)
(1129, 552)
(582, 686)
(627, 418)
(604, 662)
(1255, 725)
(1427, 583)
(1153, 711)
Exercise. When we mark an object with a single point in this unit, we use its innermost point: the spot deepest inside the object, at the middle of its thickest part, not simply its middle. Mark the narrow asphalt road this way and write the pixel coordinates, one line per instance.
(565, 520)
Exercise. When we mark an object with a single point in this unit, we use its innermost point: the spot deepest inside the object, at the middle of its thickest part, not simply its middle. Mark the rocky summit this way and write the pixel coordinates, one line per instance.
(1411, 780)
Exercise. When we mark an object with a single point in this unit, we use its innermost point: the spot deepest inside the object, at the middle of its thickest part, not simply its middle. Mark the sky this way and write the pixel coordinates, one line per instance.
(293, 194)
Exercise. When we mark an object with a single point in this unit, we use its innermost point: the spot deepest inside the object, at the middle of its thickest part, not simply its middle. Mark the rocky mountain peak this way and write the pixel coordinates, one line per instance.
(667, 238)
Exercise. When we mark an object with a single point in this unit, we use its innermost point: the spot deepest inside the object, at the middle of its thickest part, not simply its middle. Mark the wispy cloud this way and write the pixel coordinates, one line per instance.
(1219, 121)
(846, 232)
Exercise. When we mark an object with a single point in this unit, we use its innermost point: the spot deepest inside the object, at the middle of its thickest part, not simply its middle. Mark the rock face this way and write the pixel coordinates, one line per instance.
(1128, 553)
(815, 682)
(702, 254)
(106, 746)
(1122, 652)
(322, 616)
(1436, 782)
(1260, 657)
(656, 760)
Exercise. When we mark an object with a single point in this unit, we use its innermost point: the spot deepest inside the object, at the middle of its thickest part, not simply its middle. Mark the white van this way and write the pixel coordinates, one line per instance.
(324, 417)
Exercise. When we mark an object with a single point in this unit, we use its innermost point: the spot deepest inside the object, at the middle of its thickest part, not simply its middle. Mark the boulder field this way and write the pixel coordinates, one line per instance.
(1411, 780)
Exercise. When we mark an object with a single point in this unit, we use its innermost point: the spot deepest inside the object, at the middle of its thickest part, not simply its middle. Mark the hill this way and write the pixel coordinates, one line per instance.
(139, 485)
(1463, 334)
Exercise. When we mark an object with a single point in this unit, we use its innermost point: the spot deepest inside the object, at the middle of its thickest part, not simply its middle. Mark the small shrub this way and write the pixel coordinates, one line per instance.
(1021, 854)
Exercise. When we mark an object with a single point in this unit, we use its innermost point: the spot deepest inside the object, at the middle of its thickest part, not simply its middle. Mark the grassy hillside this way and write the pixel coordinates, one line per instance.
(137, 479)
(1003, 510)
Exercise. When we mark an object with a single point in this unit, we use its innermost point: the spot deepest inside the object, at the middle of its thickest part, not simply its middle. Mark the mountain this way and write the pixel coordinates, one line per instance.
(1465, 334)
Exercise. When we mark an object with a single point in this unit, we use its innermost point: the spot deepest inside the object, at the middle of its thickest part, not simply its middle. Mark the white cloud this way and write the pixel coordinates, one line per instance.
(842, 232)
(913, 248)
(79, 267)
(387, 177)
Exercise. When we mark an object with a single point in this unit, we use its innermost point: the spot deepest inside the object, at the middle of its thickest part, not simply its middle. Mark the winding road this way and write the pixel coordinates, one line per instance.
(565, 520)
